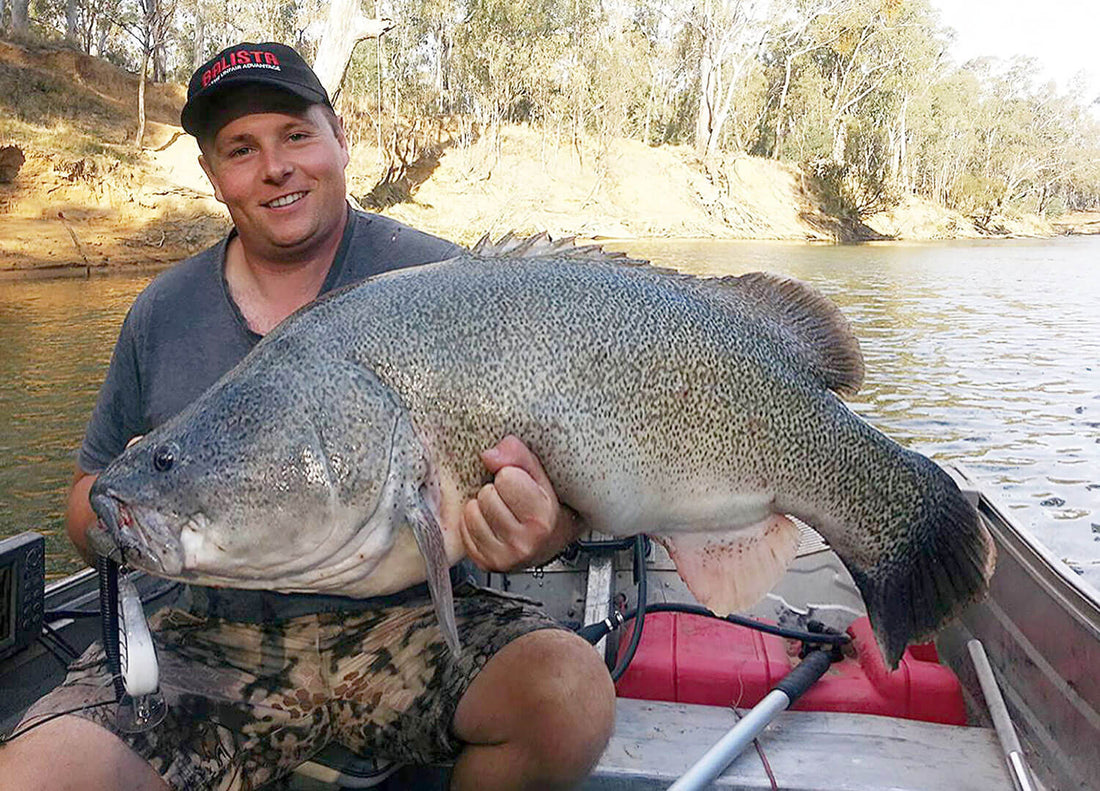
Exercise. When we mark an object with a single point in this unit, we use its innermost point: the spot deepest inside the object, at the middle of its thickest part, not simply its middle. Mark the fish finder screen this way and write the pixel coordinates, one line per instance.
(22, 591)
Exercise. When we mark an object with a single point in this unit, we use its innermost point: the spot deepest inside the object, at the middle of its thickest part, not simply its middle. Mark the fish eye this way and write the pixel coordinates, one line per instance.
(164, 457)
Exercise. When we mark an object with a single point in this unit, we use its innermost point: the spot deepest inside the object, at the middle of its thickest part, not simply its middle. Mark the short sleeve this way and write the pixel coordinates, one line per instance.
(118, 414)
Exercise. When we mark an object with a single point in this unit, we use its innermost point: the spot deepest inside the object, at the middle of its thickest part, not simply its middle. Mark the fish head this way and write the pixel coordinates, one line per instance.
(268, 475)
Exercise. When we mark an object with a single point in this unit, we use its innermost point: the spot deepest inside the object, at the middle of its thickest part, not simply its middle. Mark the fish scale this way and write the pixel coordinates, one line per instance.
(700, 411)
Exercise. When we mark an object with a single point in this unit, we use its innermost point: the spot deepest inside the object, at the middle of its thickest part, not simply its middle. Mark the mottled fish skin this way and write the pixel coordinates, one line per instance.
(656, 402)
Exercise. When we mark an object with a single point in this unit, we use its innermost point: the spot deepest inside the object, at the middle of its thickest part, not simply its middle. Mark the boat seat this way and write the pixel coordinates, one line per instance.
(655, 743)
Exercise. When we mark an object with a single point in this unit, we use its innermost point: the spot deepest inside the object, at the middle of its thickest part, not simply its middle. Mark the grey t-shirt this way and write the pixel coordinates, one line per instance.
(184, 331)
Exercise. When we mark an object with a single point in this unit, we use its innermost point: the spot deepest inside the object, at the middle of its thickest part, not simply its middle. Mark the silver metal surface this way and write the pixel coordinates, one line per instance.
(1040, 626)
(597, 600)
(655, 743)
(1002, 722)
(740, 736)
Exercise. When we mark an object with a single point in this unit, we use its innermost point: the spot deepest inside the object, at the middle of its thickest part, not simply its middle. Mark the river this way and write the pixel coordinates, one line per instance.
(981, 353)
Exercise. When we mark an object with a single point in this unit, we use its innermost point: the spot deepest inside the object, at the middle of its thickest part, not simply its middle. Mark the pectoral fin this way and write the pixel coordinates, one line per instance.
(731, 571)
(429, 537)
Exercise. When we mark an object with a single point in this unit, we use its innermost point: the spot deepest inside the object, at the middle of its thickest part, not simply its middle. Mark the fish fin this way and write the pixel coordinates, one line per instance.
(944, 566)
(731, 571)
(429, 537)
(540, 245)
(811, 320)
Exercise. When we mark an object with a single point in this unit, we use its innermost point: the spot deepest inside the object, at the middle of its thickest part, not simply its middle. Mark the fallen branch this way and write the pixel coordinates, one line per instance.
(76, 242)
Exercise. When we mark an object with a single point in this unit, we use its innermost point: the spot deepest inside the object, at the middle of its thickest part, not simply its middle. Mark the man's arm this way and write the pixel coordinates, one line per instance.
(516, 521)
(79, 515)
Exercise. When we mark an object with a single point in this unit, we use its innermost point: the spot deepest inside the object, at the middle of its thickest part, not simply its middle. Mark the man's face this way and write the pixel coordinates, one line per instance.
(279, 170)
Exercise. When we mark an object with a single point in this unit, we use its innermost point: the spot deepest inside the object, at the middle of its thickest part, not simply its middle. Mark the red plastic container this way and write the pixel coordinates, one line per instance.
(688, 658)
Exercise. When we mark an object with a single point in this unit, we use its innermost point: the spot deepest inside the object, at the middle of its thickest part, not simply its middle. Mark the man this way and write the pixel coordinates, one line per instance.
(256, 682)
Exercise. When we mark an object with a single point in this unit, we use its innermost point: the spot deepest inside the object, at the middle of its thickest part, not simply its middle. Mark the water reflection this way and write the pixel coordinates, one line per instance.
(55, 343)
(984, 353)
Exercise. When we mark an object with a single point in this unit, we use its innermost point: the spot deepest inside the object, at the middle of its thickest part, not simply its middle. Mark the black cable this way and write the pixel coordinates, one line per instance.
(594, 632)
(53, 651)
(612, 544)
(640, 610)
(108, 611)
(56, 635)
(815, 638)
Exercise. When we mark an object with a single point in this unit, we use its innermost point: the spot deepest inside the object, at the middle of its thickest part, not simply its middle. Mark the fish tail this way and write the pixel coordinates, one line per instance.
(940, 563)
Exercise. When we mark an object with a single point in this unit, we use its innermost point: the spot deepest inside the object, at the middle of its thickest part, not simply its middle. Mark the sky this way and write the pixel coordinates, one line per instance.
(1064, 35)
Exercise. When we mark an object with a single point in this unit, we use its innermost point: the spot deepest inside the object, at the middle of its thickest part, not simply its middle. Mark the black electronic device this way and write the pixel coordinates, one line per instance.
(22, 591)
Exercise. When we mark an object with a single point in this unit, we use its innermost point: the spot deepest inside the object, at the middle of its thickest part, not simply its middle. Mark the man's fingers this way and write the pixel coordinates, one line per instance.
(482, 539)
(473, 527)
(524, 499)
(498, 516)
(511, 452)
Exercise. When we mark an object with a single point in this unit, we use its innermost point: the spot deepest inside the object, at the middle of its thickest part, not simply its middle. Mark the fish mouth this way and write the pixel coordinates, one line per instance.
(142, 536)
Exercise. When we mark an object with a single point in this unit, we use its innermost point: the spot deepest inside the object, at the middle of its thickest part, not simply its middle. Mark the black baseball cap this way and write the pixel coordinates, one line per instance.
(270, 64)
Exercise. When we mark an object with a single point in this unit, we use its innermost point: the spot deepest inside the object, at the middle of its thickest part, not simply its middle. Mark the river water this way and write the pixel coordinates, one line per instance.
(984, 353)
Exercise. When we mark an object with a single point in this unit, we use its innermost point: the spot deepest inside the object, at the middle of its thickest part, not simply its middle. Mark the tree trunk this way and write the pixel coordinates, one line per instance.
(101, 39)
(903, 154)
(3, 13)
(72, 12)
(780, 123)
(840, 140)
(345, 27)
(141, 96)
(160, 63)
(704, 120)
(649, 112)
(199, 54)
(19, 20)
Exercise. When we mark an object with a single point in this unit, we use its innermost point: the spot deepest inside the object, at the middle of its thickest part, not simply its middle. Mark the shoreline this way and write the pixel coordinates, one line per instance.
(79, 269)
(85, 201)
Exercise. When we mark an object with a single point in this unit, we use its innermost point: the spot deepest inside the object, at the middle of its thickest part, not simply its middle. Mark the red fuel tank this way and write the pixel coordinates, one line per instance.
(688, 658)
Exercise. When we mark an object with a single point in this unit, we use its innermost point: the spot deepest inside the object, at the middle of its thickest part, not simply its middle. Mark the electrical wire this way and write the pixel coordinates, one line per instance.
(595, 632)
(53, 651)
(813, 638)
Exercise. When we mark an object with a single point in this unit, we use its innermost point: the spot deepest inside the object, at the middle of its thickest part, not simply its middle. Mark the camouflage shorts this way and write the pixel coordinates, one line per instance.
(247, 703)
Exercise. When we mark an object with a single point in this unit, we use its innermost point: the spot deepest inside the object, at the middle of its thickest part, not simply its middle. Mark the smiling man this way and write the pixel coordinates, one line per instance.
(256, 682)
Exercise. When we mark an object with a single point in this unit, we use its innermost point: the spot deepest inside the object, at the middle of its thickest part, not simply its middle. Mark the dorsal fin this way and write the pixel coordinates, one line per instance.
(806, 317)
(812, 321)
(540, 245)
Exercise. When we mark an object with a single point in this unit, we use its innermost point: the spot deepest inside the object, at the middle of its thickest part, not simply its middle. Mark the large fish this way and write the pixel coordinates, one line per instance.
(336, 457)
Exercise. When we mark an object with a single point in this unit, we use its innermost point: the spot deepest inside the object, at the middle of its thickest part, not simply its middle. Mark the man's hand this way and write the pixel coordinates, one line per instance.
(516, 520)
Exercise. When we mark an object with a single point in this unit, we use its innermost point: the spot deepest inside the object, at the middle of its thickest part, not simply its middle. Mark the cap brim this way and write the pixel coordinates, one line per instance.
(196, 113)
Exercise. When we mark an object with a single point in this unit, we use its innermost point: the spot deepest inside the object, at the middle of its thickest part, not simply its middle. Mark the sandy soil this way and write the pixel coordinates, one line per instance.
(56, 221)
(73, 213)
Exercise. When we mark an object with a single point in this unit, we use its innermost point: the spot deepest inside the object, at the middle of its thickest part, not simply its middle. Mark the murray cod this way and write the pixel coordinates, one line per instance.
(337, 456)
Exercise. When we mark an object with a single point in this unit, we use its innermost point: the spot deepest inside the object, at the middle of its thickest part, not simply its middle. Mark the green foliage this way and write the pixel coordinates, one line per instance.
(859, 90)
